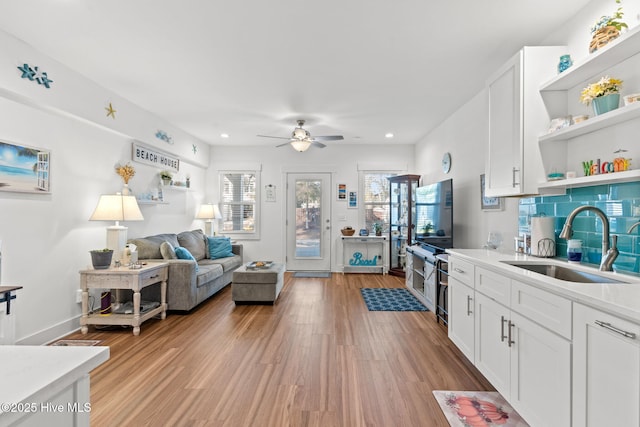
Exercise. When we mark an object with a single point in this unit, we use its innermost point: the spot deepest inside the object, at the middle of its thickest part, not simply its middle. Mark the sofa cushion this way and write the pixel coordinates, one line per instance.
(167, 251)
(149, 247)
(227, 264)
(208, 273)
(194, 242)
(219, 247)
(183, 253)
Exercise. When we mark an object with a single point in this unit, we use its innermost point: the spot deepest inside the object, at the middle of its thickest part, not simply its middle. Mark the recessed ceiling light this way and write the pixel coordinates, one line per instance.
(224, 135)
(388, 135)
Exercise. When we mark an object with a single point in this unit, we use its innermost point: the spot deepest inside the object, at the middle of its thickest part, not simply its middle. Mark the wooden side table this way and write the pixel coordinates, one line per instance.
(124, 278)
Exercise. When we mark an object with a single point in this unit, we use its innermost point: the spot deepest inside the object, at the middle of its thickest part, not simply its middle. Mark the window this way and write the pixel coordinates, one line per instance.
(375, 198)
(239, 203)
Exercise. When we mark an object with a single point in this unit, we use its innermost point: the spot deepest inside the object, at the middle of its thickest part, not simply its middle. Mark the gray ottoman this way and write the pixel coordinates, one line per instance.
(259, 285)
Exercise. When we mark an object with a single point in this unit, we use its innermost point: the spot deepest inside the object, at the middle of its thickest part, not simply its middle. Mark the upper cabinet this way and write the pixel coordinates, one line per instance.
(517, 116)
(599, 136)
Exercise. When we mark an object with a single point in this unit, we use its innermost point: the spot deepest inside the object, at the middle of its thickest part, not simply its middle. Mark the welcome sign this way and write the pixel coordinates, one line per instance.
(149, 156)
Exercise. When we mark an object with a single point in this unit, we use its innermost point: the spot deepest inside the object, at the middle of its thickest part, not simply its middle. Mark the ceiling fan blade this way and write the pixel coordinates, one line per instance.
(317, 144)
(328, 138)
(276, 137)
(282, 145)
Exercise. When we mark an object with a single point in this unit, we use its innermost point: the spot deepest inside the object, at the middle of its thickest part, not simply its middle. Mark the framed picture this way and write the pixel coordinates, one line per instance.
(24, 169)
(353, 200)
(342, 192)
(489, 203)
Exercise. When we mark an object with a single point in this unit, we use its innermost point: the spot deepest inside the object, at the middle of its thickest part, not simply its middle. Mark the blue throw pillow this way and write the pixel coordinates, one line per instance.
(219, 247)
(183, 253)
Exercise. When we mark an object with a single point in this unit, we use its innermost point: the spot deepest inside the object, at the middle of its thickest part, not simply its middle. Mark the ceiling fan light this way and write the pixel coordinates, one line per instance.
(300, 144)
(299, 133)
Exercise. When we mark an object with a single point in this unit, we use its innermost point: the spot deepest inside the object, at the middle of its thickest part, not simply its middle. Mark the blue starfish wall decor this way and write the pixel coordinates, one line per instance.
(34, 74)
(160, 134)
(194, 147)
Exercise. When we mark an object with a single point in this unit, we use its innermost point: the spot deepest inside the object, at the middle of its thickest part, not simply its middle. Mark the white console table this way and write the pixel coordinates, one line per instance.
(47, 385)
(364, 254)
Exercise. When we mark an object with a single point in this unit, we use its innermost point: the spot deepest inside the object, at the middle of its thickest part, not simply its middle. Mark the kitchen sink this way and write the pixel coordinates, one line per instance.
(564, 273)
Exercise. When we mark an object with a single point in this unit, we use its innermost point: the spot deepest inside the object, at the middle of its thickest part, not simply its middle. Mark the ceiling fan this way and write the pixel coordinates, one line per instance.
(301, 139)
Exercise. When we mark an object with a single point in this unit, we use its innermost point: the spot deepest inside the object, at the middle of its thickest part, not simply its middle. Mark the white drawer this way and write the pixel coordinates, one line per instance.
(461, 270)
(549, 310)
(493, 285)
(153, 276)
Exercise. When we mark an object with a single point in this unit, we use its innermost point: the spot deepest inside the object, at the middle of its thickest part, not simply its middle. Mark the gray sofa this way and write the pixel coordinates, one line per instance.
(186, 287)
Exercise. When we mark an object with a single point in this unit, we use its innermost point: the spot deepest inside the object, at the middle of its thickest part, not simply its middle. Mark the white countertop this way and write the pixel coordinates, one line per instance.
(31, 372)
(621, 299)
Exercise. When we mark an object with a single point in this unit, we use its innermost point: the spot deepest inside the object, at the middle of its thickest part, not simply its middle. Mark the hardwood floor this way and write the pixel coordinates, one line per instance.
(317, 357)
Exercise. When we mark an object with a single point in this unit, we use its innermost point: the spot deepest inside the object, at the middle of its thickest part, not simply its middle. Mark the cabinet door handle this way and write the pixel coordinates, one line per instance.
(513, 176)
(469, 312)
(616, 330)
(154, 277)
(502, 322)
(510, 341)
(458, 270)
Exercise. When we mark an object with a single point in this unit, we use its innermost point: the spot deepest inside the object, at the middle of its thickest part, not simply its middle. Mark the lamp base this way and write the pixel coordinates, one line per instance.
(116, 240)
(208, 228)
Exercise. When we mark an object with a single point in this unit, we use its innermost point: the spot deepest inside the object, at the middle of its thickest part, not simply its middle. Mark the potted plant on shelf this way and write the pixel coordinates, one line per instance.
(101, 258)
(377, 228)
(606, 29)
(166, 177)
(604, 94)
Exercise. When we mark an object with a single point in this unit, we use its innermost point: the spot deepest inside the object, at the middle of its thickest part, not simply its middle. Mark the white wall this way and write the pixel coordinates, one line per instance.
(46, 238)
(464, 134)
(274, 163)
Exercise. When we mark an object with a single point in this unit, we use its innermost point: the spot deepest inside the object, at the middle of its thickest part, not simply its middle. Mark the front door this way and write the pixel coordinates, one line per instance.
(309, 222)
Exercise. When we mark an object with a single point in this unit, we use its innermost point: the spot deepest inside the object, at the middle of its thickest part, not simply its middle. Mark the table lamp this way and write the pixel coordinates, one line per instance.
(116, 207)
(209, 212)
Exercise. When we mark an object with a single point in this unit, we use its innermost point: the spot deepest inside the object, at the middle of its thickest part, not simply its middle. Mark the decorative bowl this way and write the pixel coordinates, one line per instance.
(348, 231)
(631, 98)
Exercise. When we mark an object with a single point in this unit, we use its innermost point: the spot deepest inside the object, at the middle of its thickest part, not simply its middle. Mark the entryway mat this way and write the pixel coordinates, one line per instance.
(477, 408)
(319, 274)
(391, 299)
(83, 343)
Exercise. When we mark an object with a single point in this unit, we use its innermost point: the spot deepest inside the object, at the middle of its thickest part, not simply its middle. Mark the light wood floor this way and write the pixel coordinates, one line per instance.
(317, 357)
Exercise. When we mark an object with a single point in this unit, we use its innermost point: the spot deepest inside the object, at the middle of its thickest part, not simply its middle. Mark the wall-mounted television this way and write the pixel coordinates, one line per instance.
(434, 213)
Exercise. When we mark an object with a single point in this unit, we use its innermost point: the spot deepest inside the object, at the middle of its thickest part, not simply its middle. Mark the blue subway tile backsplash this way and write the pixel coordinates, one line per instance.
(621, 203)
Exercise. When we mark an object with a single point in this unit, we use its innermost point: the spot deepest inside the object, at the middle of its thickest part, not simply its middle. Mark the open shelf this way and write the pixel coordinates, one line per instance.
(588, 181)
(593, 124)
(598, 62)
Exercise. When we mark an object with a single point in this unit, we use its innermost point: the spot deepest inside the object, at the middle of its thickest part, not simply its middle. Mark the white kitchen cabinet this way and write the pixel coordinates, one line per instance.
(461, 317)
(517, 116)
(606, 369)
(528, 364)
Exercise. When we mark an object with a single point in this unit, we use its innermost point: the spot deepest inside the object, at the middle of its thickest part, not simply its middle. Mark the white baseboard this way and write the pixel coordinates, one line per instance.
(52, 333)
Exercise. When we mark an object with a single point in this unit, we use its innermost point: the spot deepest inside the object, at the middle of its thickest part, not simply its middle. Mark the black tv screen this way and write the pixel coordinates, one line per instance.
(434, 215)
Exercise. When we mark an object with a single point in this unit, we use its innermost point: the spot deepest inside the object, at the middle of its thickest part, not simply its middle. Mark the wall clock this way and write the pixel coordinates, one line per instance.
(446, 162)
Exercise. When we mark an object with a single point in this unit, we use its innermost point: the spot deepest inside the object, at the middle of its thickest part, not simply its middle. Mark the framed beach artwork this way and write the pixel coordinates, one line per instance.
(24, 169)
(342, 192)
(489, 203)
(353, 200)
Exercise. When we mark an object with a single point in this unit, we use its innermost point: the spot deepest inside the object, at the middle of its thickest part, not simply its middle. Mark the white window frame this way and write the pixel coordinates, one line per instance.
(363, 201)
(241, 234)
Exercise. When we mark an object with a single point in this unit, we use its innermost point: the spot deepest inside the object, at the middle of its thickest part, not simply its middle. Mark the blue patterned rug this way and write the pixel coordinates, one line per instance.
(391, 299)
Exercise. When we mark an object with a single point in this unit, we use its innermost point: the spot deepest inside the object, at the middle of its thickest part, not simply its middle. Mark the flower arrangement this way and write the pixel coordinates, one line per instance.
(610, 21)
(166, 175)
(605, 86)
(126, 172)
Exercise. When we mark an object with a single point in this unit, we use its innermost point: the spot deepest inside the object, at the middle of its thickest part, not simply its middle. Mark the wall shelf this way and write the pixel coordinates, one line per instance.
(598, 62)
(588, 181)
(593, 124)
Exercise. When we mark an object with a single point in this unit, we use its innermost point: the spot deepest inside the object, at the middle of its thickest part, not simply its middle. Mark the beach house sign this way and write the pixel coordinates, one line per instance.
(149, 156)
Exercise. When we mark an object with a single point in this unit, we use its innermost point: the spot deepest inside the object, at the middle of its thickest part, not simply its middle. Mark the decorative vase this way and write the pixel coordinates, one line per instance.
(101, 260)
(565, 62)
(125, 190)
(166, 181)
(604, 104)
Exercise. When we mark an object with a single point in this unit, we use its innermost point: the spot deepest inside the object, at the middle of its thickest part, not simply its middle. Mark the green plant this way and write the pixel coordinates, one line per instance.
(610, 20)
(166, 175)
(377, 227)
(605, 86)
(102, 250)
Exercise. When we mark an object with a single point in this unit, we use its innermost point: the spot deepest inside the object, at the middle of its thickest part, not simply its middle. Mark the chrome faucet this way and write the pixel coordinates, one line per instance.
(608, 255)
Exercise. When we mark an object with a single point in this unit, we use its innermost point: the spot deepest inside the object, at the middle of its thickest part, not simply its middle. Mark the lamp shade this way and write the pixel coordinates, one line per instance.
(116, 207)
(301, 144)
(209, 211)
